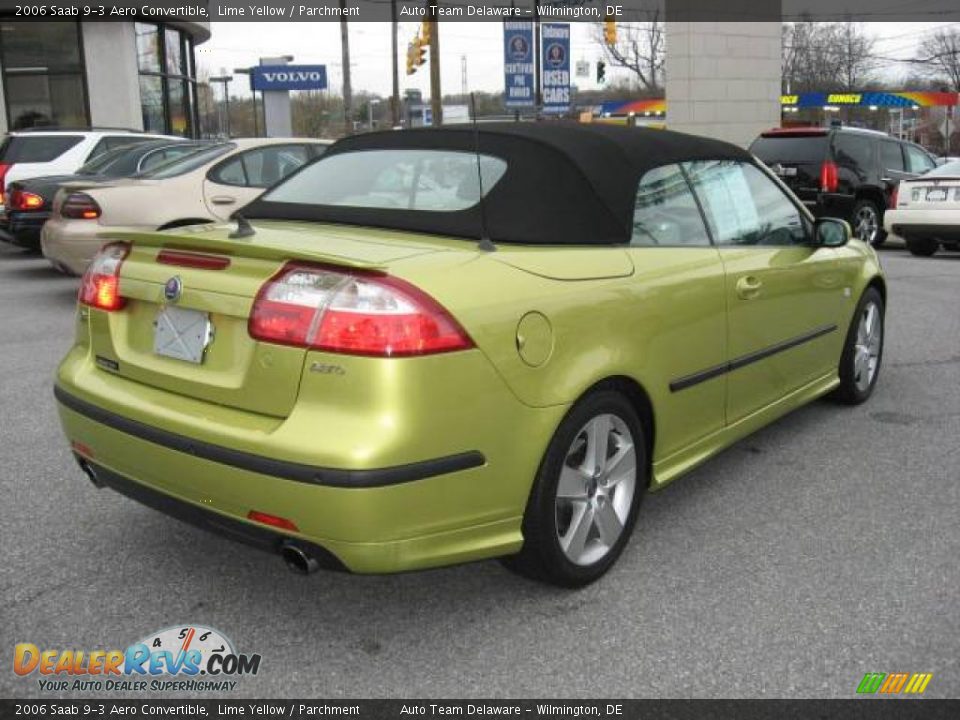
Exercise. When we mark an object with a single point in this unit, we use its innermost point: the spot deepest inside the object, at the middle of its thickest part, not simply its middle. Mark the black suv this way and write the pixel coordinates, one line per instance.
(843, 172)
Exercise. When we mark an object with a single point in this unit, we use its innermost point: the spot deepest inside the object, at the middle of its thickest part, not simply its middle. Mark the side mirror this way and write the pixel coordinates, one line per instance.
(832, 232)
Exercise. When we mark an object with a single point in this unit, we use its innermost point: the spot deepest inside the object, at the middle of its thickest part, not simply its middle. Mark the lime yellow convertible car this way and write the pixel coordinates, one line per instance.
(436, 346)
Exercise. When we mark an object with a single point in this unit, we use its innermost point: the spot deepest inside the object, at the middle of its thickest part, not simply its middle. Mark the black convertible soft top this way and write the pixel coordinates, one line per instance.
(565, 183)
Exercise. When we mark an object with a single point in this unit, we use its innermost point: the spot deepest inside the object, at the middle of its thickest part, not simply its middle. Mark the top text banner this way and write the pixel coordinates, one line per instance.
(479, 10)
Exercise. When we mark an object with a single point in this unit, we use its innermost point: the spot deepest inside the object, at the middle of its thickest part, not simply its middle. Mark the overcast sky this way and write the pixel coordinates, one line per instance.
(241, 44)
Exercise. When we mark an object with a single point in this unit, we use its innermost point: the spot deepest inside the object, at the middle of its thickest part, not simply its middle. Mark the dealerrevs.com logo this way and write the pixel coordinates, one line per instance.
(189, 658)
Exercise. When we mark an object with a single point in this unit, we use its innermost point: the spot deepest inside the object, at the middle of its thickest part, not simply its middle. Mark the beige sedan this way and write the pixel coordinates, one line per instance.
(203, 187)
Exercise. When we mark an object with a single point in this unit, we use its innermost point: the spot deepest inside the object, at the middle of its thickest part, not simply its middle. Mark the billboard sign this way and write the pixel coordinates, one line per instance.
(288, 77)
(555, 62)
(518, 64)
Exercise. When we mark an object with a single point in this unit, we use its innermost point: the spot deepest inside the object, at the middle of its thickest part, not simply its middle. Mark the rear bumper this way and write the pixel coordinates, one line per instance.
(23, 228)
(252, 534)
(450, 487)
(71, 244)
(943, 224)
(829, 204)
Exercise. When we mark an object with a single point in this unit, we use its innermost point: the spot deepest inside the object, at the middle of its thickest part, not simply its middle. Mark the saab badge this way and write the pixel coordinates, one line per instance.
(173, 288)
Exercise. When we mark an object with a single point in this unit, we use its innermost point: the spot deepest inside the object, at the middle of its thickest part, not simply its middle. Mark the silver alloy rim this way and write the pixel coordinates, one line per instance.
(866, 352)
(595, 491)
(868, 224)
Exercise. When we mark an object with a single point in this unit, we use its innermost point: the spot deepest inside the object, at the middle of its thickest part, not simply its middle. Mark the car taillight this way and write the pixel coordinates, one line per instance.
(352, 312)
(80, 206)
(4, 169)
(828, 176)
(23, 200)
(894, 197)
(100, 286)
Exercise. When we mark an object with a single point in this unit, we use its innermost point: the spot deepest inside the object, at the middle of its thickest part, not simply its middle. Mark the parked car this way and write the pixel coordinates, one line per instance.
(203, 187)
(927, 211)
(29, 201)
(843, 172)
(36, 152)
(368, 378)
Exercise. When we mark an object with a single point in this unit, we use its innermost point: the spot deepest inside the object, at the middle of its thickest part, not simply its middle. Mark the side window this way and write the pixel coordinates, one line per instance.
(917, 160)
(230, 173)
(262, 167)
(891, 157)
(666, 212)
(744, 206)
(853, 151)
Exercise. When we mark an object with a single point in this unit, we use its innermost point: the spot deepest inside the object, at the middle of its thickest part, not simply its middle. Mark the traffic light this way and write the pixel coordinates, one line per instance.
(601, 71)
(412, 57)
(609, 31)
(422, 46)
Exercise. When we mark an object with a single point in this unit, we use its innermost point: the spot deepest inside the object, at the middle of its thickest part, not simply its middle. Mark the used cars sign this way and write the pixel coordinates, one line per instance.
(289, 77)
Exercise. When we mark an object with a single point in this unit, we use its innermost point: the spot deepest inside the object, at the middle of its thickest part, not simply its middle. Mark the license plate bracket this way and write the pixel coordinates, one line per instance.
(182, 334)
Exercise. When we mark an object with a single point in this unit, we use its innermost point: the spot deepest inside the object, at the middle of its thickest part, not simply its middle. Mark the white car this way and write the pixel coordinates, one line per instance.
(39, 152)
(207, 186)
(927, 211)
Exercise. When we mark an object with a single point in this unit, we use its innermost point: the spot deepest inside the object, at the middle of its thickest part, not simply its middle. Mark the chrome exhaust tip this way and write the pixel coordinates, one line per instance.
(90, 472)
(298, 559)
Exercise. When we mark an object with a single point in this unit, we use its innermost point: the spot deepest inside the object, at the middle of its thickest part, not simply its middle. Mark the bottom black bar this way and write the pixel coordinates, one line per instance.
(865, 708)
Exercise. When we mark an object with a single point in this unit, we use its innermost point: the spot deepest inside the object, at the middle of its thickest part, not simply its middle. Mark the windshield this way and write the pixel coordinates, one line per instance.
(425, 180)
(950, 169)
(186, 163)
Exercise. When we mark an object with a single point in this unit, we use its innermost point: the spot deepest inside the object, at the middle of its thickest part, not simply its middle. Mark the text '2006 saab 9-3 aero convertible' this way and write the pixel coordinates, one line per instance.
(434, 346)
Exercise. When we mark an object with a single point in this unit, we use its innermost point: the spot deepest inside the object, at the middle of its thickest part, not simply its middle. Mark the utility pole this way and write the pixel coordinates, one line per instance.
(464, 85)
(345, 52)
(256, 122)
(225, 79)
(436, 99)
(395, 98)
(537, 77)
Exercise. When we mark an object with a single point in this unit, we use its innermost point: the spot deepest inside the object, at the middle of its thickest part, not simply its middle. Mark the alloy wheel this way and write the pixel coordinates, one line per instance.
(595, 490)
(867, 224)
(866, 351)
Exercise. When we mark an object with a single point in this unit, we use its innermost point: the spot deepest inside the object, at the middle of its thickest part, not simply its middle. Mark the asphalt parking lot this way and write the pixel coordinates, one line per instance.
(822, 548)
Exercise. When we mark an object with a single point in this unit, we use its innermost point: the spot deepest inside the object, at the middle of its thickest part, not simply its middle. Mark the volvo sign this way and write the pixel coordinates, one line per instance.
(288, 77)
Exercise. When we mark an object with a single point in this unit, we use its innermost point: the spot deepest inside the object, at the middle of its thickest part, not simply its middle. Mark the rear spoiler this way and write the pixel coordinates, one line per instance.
(214, 238)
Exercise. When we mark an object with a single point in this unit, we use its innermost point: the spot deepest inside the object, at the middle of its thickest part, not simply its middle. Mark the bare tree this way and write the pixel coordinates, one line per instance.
(854, 54)
(827, 57)
(940, 54)
(640, 48)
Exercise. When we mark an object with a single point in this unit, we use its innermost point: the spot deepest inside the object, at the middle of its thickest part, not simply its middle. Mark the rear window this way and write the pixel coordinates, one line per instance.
(950, 169)
(36, 148)
(187, 163)
(790, 149)
(423, 180)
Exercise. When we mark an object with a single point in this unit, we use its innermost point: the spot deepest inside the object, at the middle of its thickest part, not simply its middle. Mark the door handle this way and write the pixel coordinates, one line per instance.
(748, 287)
(223, 200)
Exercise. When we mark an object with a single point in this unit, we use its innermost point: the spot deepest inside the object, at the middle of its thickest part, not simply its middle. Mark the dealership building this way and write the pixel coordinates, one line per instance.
(134, 75)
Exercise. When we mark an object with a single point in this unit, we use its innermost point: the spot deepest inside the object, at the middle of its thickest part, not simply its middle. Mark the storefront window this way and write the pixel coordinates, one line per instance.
(166, 81)
(43, 74)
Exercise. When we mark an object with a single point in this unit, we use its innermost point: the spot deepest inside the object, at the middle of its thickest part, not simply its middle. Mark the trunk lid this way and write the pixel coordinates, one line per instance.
(146, 341)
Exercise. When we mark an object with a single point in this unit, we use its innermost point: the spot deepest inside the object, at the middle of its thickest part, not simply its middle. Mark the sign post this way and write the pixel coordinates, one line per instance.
(555, 66)
(275, 79)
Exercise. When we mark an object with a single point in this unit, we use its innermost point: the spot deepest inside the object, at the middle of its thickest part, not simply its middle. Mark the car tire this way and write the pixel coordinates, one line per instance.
(922, 247)
(581, 513)
(866, 219)
(862, 351)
